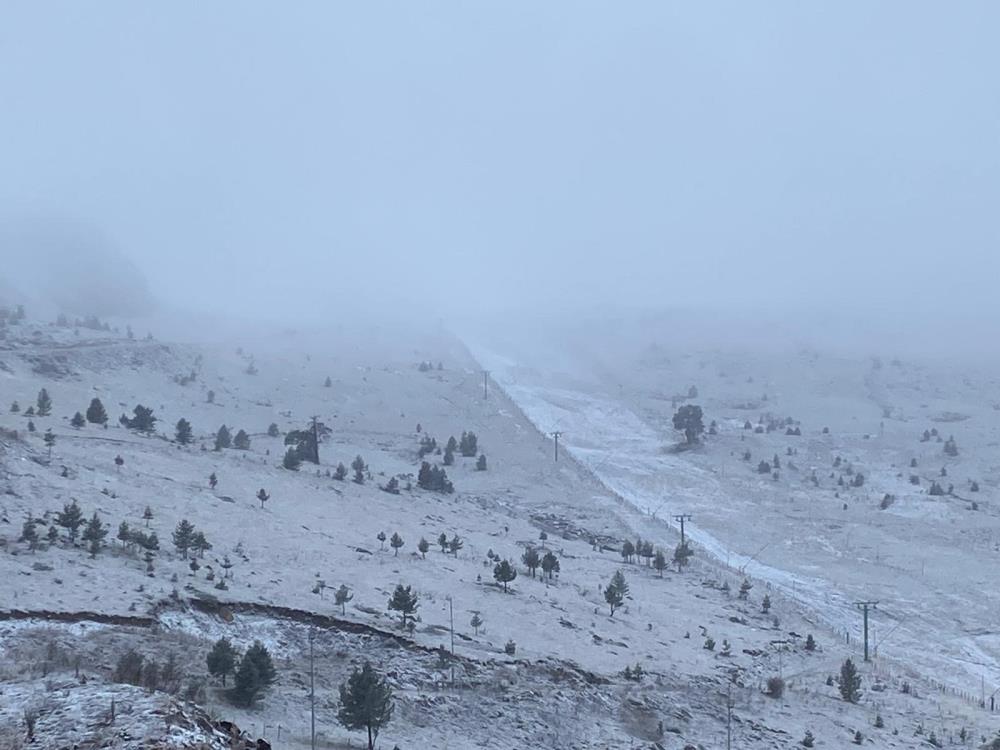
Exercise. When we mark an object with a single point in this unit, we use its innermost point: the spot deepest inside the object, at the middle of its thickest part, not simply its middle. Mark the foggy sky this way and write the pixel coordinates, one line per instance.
(305, 156)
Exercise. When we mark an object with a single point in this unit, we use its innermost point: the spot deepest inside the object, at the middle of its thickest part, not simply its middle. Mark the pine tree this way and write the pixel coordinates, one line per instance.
(124, 533)
(210, 397)
(469, 444)
(327, 383)
(455, 545)
(396, 542)
(255, 673)
(147, 515)
(616, 591)
(50, 441)
(850, 682)
(273, 431)
(31, 426)
(78, 421)
(183, 537)
(182, 432)
(223, 439)
(291, 461)
(263, 497)
(358, 464)
(15, 407)
(452, 445)
(423, 545)
(365, 702)
(29, 534)
(340, 473)
(476, 622)
(212, 480)
(660, 562)
(96, 413)
(550, 564)
(242, 441)
(531, 560)
(449, 457)
(765, 605)
(481, 462)
(200, 544)
(810, 643)
(44, 403)
(221, 659)
(342, 596)
(443, 541)
(71, 519)
(682, 552)
(404, 601)
(504, 573)
(142, 419)
(94, 534)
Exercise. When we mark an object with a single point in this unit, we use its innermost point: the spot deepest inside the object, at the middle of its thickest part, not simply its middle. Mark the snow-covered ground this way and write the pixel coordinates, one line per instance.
(563, 687)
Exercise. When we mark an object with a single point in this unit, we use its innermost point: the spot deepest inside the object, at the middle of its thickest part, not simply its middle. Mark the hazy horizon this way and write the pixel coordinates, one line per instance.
(446, 160)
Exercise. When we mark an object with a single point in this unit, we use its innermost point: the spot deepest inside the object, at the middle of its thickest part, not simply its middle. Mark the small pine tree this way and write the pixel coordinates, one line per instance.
(455, 545)
(531, 560)
(221, 659)
(381, 539)
(810, 643)
(423, 545)
(223, 439)
(481, 462)
(263, 497)
(96, 413)
(273, 431)
(340, 473)
(660, 562)
(50, 441)
(242, 441)
(358, 464)
(443, 541)
(745, 589)
(550, 564)
(182, 432)
(29, 534)
(78, 421)
(504, 573)
(365, 702)
(616, 591)
(396, 543)
(147, 515)
(291, 461)
(183, 537)
(255, 673)
(859, 738)
(94, 534)
(327, 383)
(71, 519)
(404, 601)
(850, 682)
(15, 407)
(808, 740)
(476, 622)
(342, 596)
(44, 403)
(765, 605)
(449, 457)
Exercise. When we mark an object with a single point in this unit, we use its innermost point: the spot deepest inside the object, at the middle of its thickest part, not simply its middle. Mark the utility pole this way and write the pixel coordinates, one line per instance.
(682, 517)
(865, 607)
(486, 378)
(312, 692)
(557, 434)
(315, 440)
(451, 620)
(729, 717)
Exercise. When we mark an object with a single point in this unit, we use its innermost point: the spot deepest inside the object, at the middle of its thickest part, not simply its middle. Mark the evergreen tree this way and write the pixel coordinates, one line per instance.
(327, 383)
(147, 515)
(443, 541)
(476, 622)
(273, 431)
(616, 591)
(31, 426)
(94, 534)
(29, 534)
(71, 519)
(550, 564)
(745, 589)
(96, 413)
(765, 605)
(449, 457)
(53, 534)
(183, 537)
(455, 545)
(44, 403)
(404, 601)
(78, 421)
(15, 407)
(291, 461)
(628, 549)
(504, 573)
(481, 462)
(200, 544)
(660, 562)
(50, 441)
(210, 397)
(396, 542)
(688, 420)
(142, 419)
(531, 560)
(810, 643)
(365, 702)
(452, 444)
(221, 659)
(340, 473)
(358, 464)
(682, 553)
(212, 480)
(423, 545)
(223, 439)
(850, 682)
(255, 673)
(468, 445)
(242, 441)
(182, 432)
(342, 596)
(124, 534)
(263, 497)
